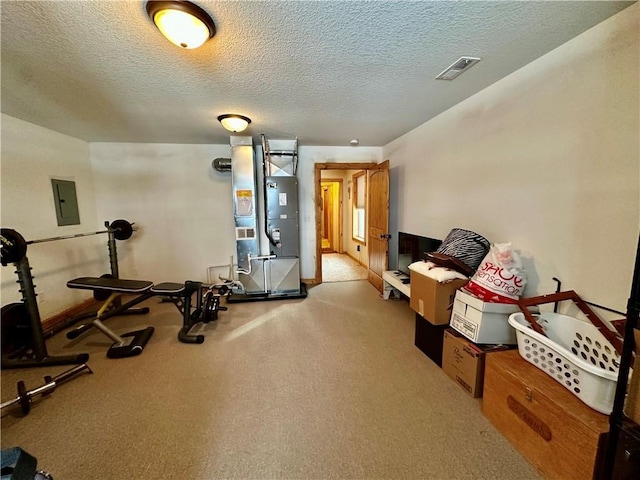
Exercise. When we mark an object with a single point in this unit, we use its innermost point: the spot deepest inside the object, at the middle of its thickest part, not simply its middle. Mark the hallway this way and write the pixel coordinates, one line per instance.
(338, 267)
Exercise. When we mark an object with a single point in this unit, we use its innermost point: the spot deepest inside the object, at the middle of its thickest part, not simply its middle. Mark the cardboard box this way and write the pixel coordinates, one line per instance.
(429, 338)
(483, 322)
(551, 427)
(464, 361)
(432, 299)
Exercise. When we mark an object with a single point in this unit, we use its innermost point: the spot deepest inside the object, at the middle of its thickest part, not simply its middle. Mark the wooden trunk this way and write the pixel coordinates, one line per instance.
(550, 426)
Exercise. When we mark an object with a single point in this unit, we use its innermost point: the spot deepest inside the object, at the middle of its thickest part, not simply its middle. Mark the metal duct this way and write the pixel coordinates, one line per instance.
(221, 164)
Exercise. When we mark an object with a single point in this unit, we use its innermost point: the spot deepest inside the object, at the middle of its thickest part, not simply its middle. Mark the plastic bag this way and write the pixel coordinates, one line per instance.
(500, 278)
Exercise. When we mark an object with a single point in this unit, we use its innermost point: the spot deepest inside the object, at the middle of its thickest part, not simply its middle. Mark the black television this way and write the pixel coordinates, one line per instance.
(411, 248)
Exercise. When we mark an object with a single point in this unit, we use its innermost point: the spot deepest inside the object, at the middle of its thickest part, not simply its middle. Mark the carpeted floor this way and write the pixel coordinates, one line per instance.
(338, 267)
(328, 387)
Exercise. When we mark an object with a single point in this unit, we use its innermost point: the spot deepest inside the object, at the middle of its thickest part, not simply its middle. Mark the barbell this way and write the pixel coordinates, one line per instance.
(14, 246)
(24, 396)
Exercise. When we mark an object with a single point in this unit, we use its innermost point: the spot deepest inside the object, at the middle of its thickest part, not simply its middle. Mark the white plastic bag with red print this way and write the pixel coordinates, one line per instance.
(500, 277)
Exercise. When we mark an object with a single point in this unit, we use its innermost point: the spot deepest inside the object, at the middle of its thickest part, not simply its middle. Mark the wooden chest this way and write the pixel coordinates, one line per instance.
(551, 427)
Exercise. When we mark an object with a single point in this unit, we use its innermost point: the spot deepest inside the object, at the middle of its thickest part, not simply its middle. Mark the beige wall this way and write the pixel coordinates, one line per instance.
(546, 159)
(31, 157)
(182, 207)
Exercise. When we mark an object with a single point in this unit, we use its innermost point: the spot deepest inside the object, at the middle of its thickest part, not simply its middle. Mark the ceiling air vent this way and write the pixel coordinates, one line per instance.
(461, 65)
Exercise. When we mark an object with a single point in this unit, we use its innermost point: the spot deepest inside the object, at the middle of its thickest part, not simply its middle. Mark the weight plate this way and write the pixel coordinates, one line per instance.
(16, 328)
(102, 295)
(23, 396)
(14, 246)
(123, 229)
(209, 306)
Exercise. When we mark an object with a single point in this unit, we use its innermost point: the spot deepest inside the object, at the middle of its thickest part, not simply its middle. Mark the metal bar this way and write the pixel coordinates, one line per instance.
(605, 308)
(27, 289)
(281, 153)
(113, 253)
(107, 331)
(64, 237)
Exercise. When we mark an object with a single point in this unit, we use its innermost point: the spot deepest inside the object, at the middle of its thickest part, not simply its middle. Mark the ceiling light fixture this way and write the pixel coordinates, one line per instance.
(233, 122)
(182, 23)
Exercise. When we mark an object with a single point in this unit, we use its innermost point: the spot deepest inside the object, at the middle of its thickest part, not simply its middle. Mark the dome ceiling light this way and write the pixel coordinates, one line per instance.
(233, 122)
(183, 23)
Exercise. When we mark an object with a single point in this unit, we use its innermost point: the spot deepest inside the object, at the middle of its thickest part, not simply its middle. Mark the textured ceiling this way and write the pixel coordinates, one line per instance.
(324, 71)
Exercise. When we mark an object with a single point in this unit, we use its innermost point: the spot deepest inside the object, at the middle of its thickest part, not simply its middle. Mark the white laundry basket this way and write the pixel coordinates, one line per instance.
(574, 353)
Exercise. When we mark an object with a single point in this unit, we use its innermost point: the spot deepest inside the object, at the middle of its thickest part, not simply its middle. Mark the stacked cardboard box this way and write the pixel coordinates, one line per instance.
(464, 361)
(432, 299)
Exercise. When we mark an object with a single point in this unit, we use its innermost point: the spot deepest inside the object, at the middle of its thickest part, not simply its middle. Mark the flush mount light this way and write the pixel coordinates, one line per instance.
(233, 122)
(182, 23)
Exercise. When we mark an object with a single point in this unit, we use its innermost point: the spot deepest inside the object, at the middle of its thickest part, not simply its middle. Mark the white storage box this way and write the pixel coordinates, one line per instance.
(483, 322)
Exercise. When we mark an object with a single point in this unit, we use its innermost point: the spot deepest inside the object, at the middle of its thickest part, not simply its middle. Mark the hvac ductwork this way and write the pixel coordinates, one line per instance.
(221, 164)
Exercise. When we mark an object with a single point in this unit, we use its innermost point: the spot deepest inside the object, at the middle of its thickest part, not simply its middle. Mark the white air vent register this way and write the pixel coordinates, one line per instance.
(461, 65)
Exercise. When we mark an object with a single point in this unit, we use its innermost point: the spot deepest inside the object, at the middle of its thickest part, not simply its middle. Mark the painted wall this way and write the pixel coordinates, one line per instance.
(31, 157)
(181, 206)
(546, 159)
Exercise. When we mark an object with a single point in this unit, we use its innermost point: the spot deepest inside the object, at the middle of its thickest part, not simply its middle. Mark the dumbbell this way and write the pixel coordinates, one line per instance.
(24, 396)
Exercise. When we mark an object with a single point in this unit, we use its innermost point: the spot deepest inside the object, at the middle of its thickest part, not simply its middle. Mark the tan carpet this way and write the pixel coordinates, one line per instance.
(338, 267)
(331, 386)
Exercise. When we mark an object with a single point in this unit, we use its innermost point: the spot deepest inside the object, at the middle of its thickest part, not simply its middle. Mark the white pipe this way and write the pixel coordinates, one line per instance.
(257, 257)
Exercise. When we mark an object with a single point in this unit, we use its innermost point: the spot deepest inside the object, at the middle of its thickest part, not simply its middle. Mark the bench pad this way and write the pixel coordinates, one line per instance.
(110, 284)
(168, 288)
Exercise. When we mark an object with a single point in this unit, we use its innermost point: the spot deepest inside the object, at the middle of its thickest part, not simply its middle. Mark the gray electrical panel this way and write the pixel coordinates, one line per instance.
(66, 202)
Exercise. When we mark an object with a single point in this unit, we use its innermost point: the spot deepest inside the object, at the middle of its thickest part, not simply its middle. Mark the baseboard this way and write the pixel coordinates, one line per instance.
(308, 281)
(356, 260)
(57, 322)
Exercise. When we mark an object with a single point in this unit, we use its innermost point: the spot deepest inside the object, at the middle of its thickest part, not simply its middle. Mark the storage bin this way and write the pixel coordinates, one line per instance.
(574, 353)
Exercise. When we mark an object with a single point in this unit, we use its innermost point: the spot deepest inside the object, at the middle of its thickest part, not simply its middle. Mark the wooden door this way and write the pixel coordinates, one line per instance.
(378, 234)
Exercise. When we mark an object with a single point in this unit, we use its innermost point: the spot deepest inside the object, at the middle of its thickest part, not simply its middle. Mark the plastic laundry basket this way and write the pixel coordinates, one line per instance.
(574, 353)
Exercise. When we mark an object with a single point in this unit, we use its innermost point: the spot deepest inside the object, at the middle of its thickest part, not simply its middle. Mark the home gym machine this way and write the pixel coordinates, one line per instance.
(23, 340)
(271, 272)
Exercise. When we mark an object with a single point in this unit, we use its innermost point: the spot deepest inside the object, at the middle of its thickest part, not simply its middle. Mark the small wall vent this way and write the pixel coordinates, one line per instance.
(245, 233)
(461, 65)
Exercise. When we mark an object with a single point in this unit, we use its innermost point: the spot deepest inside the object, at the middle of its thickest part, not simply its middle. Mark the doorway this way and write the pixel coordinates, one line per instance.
(326, 214)
(332, 215)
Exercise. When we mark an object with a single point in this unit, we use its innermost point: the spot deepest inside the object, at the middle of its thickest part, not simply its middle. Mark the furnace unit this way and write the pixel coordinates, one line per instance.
(267, 238)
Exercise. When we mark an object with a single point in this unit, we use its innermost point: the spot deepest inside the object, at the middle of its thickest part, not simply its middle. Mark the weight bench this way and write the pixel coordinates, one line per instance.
(130, 344)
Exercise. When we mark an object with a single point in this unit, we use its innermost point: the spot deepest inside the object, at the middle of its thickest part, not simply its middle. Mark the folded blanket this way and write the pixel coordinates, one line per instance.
(440, 274)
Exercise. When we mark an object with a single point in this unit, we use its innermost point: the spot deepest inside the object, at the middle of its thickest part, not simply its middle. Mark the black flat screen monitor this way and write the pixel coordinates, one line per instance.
(411, 248)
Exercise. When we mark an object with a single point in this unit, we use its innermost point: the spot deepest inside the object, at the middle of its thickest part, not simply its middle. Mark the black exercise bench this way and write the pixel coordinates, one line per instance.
(132, 343)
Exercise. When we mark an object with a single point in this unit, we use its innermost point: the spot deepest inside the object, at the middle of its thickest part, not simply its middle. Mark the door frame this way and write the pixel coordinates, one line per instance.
(318, 167)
